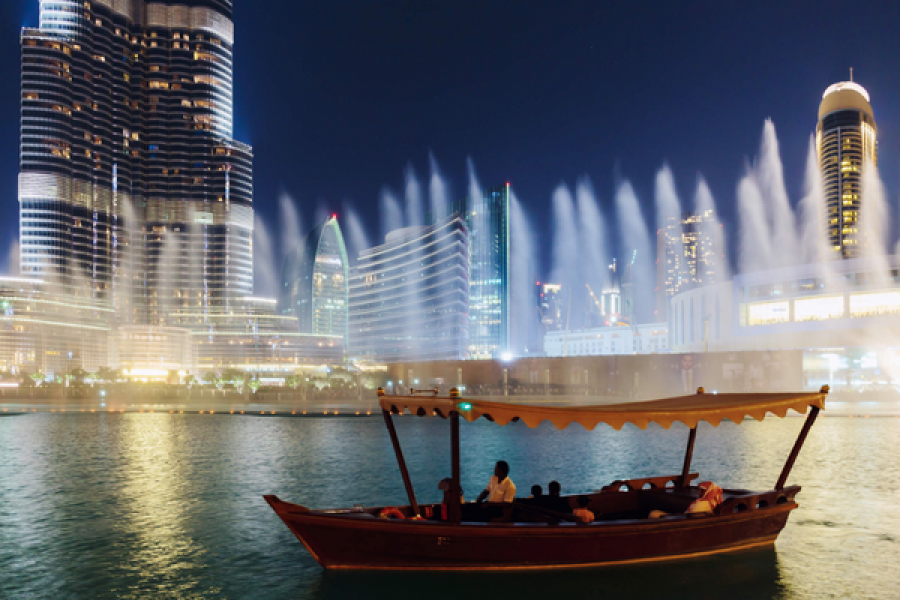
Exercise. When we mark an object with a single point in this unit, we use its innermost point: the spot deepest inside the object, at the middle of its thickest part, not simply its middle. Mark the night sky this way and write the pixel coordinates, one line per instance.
(338, 97)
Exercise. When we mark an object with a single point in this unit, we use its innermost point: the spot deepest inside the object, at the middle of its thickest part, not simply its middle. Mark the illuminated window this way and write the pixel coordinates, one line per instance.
(768, 313)
(818, 309)
(875, 304)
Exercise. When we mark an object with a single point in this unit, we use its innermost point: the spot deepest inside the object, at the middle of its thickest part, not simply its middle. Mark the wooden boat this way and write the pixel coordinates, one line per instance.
(517, 535)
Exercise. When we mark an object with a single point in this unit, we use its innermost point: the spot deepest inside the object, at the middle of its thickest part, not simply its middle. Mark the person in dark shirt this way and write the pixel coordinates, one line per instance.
(554, 501)
(536, 491)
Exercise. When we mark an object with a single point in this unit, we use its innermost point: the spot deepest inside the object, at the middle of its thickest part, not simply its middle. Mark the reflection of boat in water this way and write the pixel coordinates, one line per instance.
(519, 535)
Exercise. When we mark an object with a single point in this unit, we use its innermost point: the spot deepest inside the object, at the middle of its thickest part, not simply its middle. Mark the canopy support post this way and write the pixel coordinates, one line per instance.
(810, 419)
(402, 463)
(688, 454)
(454, 509)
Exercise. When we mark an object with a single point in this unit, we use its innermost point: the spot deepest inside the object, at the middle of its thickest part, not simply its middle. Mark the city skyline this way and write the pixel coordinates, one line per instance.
(565, 154)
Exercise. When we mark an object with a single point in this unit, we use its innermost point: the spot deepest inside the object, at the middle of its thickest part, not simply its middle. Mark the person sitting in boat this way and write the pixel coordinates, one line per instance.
(582, 513)
(554, 501)
(500, 488)
(709, 499)
(536, 491)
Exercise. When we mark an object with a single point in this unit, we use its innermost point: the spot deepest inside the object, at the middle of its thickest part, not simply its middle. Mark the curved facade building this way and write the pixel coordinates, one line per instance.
(409, 298)
(314, 282)
(131, 188)
(845, 141)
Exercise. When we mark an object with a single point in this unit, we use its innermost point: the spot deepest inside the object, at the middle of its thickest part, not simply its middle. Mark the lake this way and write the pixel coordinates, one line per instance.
(170, 505)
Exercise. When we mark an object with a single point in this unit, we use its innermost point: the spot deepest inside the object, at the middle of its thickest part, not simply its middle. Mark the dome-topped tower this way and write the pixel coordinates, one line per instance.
(845, 141)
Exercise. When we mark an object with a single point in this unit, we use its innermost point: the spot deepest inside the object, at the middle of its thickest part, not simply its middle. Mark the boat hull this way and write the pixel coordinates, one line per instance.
(346, 541)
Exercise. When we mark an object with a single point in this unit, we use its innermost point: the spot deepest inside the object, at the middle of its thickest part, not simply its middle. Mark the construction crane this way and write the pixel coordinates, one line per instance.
(594, 296)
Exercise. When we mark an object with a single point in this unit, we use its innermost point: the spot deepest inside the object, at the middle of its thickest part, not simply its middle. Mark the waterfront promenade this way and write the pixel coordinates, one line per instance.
(294, 403)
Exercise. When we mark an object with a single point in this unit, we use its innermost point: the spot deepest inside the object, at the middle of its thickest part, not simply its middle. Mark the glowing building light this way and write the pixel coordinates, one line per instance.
(875, 304)
(818, 309)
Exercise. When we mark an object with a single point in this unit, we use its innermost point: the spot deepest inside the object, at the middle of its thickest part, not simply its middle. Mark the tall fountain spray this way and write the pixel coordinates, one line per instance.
(813, 236)
(755, 251)
(414, 213)
(874, 222)
(356, 233)
(592, 239)
(291, 225)
(523, 313)
(565, 250)
(636, 252)
(265, 268)
(391, 213)
(437, 191)
(705, 206)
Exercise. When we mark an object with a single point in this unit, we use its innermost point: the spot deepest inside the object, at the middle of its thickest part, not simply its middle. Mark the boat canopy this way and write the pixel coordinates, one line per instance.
(689, 410)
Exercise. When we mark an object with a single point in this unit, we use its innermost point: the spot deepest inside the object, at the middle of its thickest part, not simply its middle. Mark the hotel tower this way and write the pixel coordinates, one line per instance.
(131, 189)
(845, 141)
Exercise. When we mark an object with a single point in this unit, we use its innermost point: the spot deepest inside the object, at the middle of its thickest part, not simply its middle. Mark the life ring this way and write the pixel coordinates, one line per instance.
(387, 513)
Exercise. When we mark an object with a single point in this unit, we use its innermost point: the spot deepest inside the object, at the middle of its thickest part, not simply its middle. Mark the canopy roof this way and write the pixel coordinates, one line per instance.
(690, 410)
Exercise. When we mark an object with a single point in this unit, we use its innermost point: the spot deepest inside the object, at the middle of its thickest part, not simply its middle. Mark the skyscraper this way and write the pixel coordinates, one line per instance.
(686, 256)
(131, 189)
(489, 271)
(314, 282)
(845, 141)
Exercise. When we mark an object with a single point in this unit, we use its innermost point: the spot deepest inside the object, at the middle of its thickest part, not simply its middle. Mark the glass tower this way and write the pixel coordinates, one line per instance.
(131, 189)
(314, 282)
(489, 271)
(845, 141)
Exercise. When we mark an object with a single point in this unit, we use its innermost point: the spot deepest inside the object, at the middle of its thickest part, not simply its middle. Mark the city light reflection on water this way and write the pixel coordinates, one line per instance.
(169, 505)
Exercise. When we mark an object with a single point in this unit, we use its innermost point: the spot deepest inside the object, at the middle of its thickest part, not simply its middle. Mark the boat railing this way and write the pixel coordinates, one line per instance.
(651, 483)
(432, 391)
(756, 501)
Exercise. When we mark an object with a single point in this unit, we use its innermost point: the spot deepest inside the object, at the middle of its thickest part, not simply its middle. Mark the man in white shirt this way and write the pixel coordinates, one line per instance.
(500, 488)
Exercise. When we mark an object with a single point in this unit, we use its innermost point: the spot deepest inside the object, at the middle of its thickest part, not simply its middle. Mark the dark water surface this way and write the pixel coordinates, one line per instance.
(170, 506)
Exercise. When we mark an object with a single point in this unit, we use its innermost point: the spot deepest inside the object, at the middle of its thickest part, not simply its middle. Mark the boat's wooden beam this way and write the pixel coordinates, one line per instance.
(688, 454)
(810, 419)
(454, 510)
(402, 463)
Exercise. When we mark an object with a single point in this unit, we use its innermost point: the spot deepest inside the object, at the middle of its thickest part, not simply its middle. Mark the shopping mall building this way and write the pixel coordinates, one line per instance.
(844, 315)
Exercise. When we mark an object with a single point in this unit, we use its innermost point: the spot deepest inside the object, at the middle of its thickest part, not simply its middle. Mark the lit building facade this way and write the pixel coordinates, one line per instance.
(549, 305)
(43, 329)
(251, 336)
(845, 142)
(409, 298)
(153, 352)
(800, 307)
(314, 282)
(687, 256)
(648, 338)
(131, 189)
(489, 271)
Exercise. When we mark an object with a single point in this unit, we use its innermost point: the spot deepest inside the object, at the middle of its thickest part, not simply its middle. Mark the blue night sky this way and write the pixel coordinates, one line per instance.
(337, 97)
